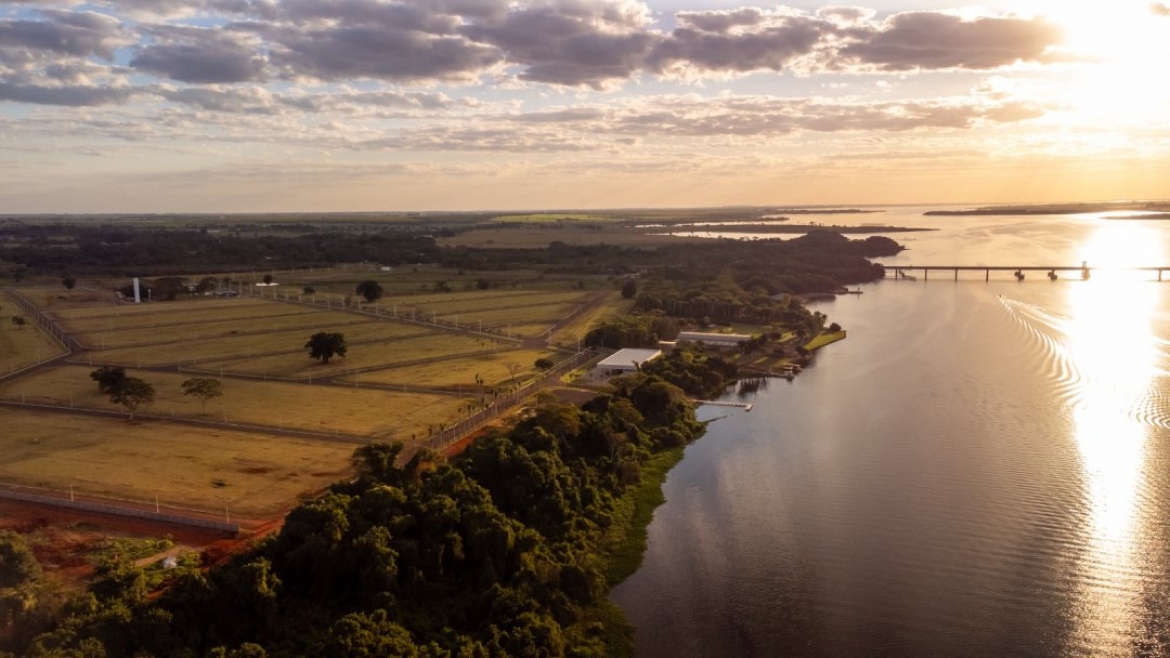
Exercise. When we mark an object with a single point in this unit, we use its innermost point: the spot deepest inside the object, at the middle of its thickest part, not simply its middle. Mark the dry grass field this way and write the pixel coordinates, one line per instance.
(307, 322)
(250, 344)
(298, 365)
(252, 474)
(573, 332)
(376, 414)
(494, 369)
(289, 344)
(22, 346)
(195, 309)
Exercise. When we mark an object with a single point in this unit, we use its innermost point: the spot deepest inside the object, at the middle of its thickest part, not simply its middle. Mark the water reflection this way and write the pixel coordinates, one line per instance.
(1114, 351)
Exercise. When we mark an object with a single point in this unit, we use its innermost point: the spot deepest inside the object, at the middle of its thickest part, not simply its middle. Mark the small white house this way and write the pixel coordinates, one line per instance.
(627, 360)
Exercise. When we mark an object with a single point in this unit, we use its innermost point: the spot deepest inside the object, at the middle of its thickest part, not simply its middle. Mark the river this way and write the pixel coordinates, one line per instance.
(980, 469)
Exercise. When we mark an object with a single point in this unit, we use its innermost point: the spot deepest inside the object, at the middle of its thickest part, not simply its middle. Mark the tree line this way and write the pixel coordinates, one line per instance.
(498, 552)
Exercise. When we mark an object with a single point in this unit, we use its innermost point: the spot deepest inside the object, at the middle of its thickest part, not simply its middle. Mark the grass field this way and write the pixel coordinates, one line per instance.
(25, 345)
(541, 217)
(824, 338)
(194, 308)
(252, 474)
(298, 364)
(306, 322)
(539, 238)
(575, 331)
(376, 414)
(243, 346)
(489, 300)
(492, 368)
(547, 314)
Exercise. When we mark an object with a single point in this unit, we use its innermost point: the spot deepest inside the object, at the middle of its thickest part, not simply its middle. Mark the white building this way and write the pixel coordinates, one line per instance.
(720, 341)
(627, 360)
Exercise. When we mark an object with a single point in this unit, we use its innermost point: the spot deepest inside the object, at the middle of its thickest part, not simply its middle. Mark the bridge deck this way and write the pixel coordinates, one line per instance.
(901, 271)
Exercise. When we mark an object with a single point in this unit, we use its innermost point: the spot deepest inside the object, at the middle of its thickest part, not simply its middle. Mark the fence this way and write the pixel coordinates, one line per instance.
(504, 402)
(118, 507)
(49, 325)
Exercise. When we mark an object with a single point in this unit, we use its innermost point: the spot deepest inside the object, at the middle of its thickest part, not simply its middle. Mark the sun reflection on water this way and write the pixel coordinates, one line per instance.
(1114, 349)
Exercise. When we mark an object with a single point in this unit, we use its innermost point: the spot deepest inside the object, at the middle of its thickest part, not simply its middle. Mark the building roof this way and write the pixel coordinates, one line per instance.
(697, 336)
(627, 358)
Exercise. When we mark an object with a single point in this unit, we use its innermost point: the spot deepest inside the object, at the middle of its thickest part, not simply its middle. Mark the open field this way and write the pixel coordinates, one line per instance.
(376, 414)
(546, 314)
(492, 368)
(491, 300)
(242, 346)
(297, 364)
(306, 322)
(541, 217)
(181, 313)
(252, 474)
(193, 308)
(22, 346)
(575, 331)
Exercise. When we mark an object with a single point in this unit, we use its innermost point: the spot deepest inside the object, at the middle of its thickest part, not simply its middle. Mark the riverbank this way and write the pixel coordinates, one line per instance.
(624, 545)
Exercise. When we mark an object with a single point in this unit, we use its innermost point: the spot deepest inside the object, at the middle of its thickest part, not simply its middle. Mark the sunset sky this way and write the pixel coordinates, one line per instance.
(345, 105)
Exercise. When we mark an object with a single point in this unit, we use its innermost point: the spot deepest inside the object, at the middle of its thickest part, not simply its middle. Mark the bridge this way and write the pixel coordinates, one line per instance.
(1077, 271)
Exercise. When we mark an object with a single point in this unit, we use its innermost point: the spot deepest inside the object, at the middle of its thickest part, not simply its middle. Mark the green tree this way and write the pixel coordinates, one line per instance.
(18, 566)
(369, 289)
(324, 345)
(69, 282)
(629, 290)
(267, 279)
(131, 394)
(108, 378)
(309, 290)
(19, 321)
(544, 363)
(203, 388)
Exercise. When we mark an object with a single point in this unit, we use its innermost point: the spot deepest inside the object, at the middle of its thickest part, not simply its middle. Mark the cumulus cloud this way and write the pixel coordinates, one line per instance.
(929, 40)
(739, 42)
(67, 95)
(200, 56)
(81, 34)
(569, 42)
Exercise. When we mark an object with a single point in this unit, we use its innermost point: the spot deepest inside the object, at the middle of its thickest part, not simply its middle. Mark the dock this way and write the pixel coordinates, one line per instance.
(905, 272)
(737, 405)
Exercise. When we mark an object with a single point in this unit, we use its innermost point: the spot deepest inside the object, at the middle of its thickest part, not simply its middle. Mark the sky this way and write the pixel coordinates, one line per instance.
(130, 106)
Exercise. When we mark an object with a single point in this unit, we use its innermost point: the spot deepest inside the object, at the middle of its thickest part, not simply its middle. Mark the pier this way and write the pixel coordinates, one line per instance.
(716, 403)
(907, 272)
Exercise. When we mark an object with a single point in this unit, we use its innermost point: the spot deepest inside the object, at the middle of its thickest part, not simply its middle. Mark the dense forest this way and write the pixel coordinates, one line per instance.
(819, 261)
(499, 552)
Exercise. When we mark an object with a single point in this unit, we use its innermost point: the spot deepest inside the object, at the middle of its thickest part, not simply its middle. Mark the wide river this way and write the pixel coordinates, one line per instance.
(980, 469)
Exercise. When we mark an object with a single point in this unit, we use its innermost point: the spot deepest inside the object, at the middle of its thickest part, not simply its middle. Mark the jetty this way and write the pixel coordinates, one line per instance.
(906, 272)
(716, 403)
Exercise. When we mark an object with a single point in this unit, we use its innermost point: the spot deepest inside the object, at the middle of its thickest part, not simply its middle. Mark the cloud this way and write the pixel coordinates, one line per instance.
(80, 34)
(1160, 9)
(569, 42)
(739, 42)
(923, 40)
(67, 95)
(200, 56)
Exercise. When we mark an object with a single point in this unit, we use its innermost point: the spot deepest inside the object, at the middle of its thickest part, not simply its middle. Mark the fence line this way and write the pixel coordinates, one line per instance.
(117, 507)
(504, 402)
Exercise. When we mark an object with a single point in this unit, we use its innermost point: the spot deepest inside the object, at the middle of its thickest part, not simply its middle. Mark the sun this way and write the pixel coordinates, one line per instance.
(1120, 49)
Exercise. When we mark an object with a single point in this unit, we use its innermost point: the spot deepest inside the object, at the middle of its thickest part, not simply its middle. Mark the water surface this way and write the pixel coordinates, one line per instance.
(980, 469)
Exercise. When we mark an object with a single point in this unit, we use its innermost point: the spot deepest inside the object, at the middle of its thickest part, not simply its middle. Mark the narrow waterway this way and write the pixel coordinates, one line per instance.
(978, 470)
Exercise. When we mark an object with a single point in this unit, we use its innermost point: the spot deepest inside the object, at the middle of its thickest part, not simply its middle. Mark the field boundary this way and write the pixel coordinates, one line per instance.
(117, 507)
(268, 430)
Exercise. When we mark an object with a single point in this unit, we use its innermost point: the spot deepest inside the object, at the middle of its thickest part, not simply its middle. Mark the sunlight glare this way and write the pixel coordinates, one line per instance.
(1114, 349)
(1126, 45)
